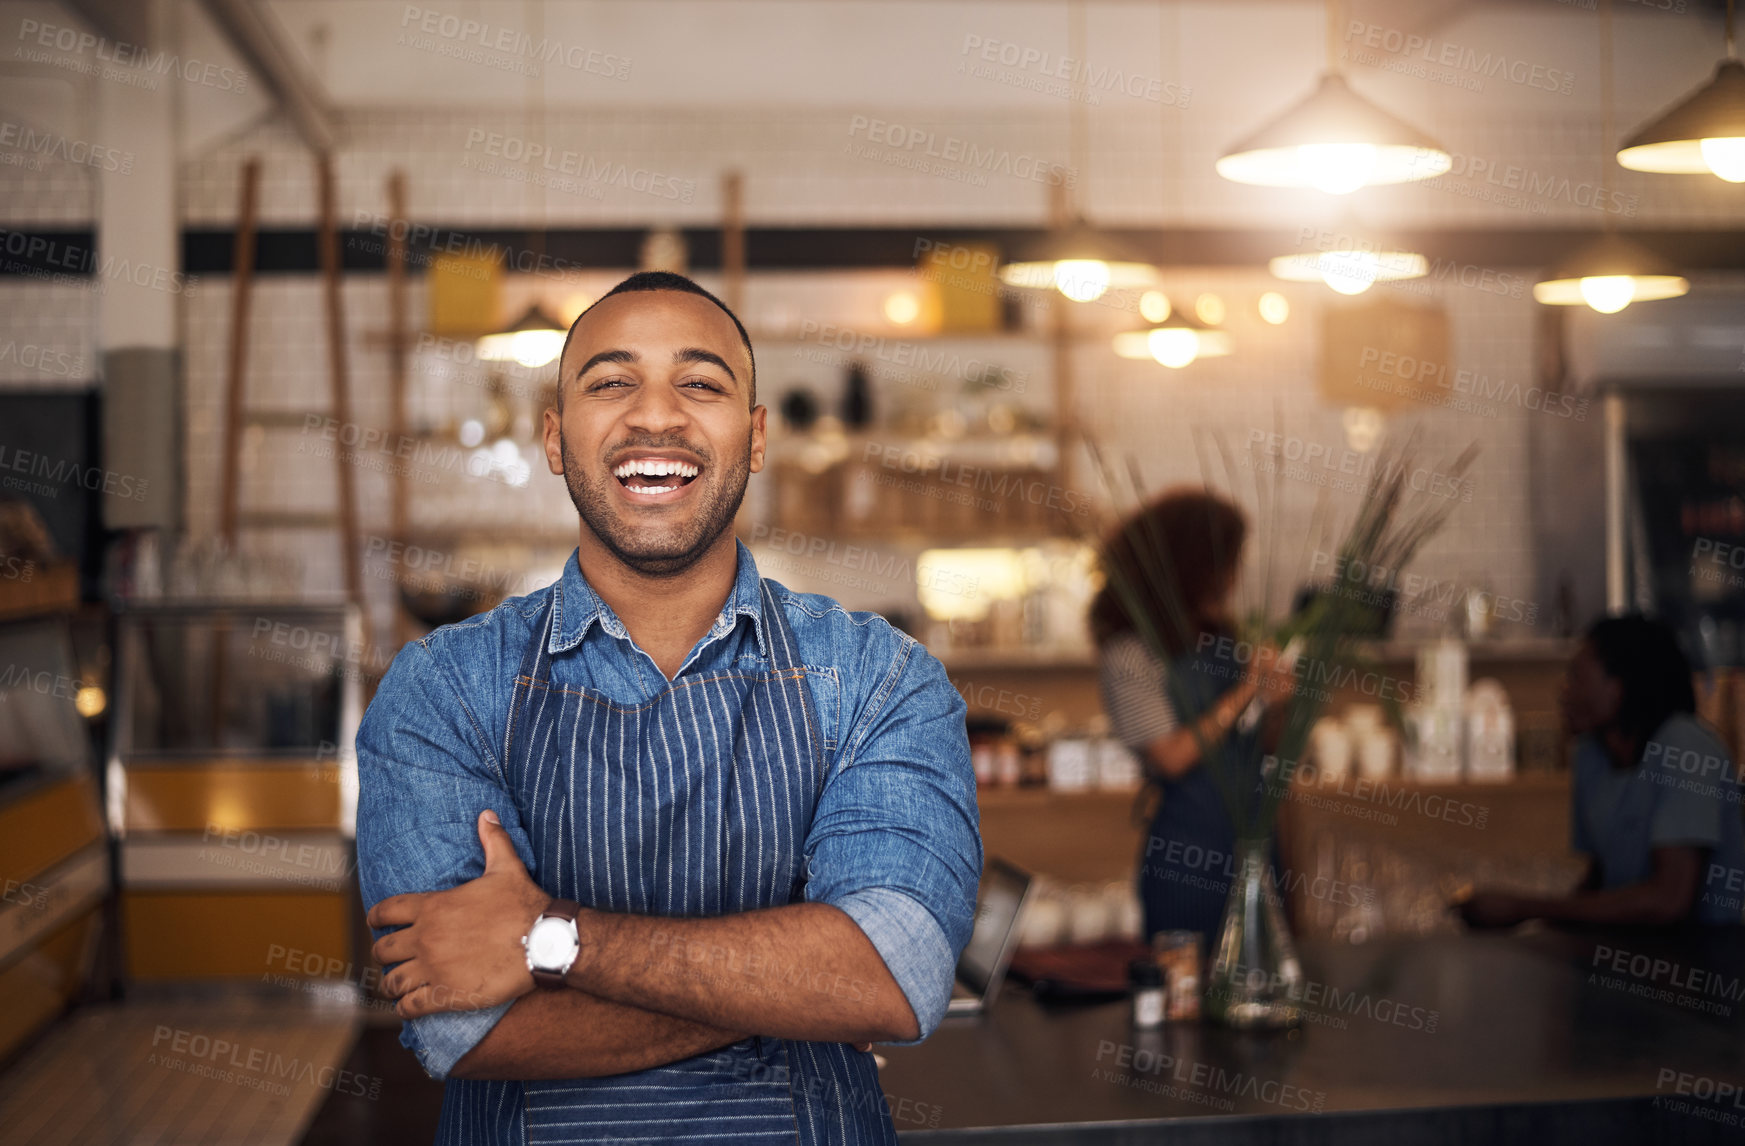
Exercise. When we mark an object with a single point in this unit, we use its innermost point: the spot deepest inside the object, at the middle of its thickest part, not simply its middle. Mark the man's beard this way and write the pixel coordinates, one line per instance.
(661, 550)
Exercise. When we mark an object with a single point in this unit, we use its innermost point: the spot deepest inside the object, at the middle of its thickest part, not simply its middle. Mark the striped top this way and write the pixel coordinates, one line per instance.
(1135, 697)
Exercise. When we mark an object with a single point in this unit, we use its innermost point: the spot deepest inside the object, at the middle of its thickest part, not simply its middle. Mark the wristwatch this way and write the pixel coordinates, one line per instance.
(553, 943)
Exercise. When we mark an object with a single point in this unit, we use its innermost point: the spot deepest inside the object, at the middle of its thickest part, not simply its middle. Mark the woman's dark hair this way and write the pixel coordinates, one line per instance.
(1642, 654)
(1184, 547)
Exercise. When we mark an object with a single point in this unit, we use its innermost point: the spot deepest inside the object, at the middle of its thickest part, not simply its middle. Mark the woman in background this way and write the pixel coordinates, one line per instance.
(1655, 797)
(1189, 855)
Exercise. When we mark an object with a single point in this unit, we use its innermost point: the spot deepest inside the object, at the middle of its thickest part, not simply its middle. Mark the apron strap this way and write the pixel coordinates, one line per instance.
(535, 665)
(784, 651)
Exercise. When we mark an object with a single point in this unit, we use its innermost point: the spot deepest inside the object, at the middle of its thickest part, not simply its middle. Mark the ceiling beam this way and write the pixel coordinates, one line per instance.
(254, 34)
(1463, 252)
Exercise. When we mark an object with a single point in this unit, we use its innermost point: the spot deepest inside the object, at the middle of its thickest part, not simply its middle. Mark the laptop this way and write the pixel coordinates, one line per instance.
(982, 966)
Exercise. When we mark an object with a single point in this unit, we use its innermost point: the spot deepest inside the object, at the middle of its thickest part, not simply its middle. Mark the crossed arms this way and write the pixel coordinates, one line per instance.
(644, 991)
(893, 856)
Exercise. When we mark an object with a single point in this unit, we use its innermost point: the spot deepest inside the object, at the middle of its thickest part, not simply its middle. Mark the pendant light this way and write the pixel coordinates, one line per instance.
(1078, 260)
(1353, 269)
(1081, 263)
(1174, 342)
(1611, 272)
(1335, 140)
(1704, 133)
(533, 340)
(536, 338)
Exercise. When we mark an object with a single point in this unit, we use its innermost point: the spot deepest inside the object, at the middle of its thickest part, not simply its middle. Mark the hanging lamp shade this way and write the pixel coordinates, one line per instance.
(1703, 134)
(1336, 141)
(1361, 259)
(1609, 274)
(1174, 343)
(1082, 263)
(533, 340)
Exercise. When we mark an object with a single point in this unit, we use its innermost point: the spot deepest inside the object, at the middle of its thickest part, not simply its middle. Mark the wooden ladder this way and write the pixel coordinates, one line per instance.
(232, 517)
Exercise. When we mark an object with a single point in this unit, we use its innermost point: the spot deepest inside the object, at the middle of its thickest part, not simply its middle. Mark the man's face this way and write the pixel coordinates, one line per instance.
(1590, 696)
(656, 441)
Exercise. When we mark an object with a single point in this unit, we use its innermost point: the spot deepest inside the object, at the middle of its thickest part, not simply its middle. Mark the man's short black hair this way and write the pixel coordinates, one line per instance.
(1642, 654)
(663, 280)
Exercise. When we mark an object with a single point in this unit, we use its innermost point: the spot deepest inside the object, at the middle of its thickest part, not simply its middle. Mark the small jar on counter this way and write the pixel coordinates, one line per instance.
(1149, 993)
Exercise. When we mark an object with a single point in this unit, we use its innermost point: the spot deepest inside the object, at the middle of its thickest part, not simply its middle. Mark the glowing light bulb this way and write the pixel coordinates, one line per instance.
(531, 348)
(1174, 346)
(1349, 272)
(1082, 280)
(902, 308)
(534, 348)
(1154, 306)
(1725, 157)
(1608, 294)
(1210, 309)
(1274, 307)
(1336, 168)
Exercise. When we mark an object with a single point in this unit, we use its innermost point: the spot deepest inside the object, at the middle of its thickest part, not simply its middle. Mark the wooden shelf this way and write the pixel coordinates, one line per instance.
(52, 589)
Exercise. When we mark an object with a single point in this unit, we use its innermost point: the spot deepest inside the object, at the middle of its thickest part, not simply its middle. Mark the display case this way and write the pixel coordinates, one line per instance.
(232, 786)
(55, 861)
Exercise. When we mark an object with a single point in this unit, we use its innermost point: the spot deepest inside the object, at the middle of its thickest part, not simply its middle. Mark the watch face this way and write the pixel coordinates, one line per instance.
(551, 945)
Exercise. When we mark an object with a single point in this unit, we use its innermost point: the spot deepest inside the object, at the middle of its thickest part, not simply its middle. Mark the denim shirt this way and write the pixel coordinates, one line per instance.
(895, 842)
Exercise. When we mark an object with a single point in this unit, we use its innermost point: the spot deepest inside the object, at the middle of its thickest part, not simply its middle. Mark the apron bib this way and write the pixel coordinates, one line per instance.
(697, 803)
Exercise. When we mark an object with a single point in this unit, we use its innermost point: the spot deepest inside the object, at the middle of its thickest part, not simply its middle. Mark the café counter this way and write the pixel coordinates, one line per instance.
(1535, 1036)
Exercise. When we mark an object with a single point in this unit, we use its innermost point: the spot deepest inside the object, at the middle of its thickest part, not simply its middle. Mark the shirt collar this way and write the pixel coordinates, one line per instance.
(576, 607)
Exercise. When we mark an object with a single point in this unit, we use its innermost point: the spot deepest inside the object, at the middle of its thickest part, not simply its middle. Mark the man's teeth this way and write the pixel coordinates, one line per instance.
(655, 468)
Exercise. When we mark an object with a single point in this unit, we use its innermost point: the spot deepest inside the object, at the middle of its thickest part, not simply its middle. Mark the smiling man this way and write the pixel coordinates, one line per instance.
(656, 852)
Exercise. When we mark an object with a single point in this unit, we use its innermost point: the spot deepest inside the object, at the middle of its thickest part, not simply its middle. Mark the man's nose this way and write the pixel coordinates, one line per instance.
(655, 409)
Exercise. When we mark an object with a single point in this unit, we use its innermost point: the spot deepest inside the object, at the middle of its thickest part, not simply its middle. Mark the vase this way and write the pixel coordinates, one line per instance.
(1255, 981)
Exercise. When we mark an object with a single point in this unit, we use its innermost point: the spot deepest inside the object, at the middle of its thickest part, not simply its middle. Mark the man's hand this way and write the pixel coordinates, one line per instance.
(460, 949)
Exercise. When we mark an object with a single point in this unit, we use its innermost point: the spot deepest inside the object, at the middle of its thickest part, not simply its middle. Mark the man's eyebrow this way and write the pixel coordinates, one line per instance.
(698, 354)
(621, 357)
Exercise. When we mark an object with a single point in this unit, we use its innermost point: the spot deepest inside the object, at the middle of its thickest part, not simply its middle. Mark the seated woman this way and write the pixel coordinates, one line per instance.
(1190, 850)
(1656, 800)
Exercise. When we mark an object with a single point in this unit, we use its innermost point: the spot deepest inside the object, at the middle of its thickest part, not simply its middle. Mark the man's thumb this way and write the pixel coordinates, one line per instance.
(499, 848)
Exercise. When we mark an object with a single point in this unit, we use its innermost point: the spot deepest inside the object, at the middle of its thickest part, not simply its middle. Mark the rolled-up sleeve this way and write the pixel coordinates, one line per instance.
(896, 844)
(425, 772)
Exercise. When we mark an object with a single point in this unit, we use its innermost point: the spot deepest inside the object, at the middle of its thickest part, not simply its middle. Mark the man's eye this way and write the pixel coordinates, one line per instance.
(602, 383)
(705, 383)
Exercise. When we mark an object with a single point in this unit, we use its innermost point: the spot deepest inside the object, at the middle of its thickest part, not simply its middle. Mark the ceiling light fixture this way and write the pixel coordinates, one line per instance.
(533, 340)
(1357, 262)
(1078, 261)
(1704, 133)
(1335, 140)
(1611, 272)
(1081, 263)
(1608, 275)
(1176, 345)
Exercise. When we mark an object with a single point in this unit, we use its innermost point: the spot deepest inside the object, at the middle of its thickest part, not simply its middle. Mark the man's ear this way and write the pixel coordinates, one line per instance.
(552, 427)
(759, 440)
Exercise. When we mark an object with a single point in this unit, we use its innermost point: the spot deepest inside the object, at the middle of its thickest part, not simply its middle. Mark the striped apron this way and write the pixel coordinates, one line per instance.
(697, 803)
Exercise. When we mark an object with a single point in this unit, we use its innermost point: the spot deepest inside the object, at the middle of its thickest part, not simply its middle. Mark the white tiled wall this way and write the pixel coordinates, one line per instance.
(1145, 166)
